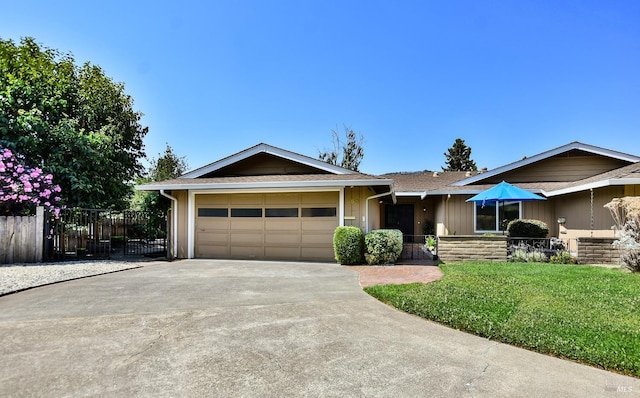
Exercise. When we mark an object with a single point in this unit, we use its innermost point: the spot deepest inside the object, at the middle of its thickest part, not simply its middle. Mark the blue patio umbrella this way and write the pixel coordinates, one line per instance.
(504, 192)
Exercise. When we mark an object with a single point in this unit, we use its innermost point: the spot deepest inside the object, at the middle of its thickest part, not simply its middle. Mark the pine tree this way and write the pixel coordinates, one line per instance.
(458, 157)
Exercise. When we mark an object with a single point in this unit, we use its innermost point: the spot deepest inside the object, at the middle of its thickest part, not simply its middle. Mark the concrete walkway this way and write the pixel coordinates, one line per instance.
(228, 328)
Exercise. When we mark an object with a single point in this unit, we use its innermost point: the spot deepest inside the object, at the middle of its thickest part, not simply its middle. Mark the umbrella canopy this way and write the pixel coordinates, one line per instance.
(504, 192)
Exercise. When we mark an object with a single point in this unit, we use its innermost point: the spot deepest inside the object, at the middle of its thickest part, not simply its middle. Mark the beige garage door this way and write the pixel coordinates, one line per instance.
(293, 226)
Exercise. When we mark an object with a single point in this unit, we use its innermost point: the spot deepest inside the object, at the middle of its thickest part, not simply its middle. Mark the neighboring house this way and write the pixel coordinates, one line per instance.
(577, 179)
(269, 203)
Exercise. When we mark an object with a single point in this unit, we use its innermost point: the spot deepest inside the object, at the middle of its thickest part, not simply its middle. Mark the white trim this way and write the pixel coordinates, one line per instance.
(544, 155)
(191, 224)
(263, 185)
(596, 184)
(406, 194)
(265, 148)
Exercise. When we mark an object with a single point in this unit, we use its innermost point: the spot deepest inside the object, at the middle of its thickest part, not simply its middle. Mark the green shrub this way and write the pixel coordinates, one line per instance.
(527, 229)
(537, 257)
(523, 256)
(562, 257)
(519, 256)
(383, 246)
(348, 245)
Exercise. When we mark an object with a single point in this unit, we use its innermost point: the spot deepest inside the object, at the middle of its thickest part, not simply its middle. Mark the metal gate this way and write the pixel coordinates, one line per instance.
(80, 234)
(140, 233)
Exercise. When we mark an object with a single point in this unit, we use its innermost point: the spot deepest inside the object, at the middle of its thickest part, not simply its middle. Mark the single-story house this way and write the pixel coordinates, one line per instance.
(269, 203)
(576, 179)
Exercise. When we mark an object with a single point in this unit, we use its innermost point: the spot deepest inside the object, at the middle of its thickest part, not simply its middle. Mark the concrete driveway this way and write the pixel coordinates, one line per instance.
(230, 328)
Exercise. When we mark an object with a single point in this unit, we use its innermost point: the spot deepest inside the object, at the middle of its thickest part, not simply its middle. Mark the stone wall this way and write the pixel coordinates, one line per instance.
(472, 247)
(597, 251)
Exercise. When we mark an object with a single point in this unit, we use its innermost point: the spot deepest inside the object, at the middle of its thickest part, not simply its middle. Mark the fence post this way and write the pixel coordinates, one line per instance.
(39, 243)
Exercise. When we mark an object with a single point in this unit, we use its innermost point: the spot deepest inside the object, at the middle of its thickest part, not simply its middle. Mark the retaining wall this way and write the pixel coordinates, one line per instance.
(472, 247)
(597, 251)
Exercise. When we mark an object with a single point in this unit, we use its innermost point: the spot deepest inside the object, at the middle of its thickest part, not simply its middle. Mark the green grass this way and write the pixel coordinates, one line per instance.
(584, 313)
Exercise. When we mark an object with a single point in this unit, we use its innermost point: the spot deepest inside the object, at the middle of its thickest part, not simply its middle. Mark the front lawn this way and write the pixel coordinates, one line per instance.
(588, 314)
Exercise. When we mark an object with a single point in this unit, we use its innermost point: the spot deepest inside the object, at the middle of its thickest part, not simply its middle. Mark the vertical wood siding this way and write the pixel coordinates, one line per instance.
(21, 238)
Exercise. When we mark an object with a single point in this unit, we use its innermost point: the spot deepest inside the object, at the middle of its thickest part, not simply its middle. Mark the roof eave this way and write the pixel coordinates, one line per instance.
(595, 185)
(265, 185)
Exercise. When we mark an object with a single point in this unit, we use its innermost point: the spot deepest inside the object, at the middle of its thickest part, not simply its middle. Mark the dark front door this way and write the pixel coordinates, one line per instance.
(399, 217)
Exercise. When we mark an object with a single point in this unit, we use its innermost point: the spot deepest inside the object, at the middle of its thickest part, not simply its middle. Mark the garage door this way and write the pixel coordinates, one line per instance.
(293, 226)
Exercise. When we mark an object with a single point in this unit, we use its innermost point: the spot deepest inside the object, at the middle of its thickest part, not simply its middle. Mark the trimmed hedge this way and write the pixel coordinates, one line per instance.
(383, 246)
(527, 229)
(348, 245)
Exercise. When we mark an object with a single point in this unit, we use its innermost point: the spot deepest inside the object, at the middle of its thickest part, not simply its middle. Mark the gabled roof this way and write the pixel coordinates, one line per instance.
(271, 150)
(545, 155)
(317, 174)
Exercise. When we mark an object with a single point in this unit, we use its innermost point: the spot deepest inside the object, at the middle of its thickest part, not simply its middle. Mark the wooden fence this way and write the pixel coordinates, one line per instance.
(21, 238)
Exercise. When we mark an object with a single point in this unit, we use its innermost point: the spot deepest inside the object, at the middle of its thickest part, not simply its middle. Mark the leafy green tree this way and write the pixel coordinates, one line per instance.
(347, 154)
(73, 121)
(458, 157)
(166, 166)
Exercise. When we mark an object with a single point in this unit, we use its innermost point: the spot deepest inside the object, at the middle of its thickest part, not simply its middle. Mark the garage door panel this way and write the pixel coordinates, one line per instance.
(212, 251)
(316, 239)
(211, 200)
(280, 199)
(205, 223)
(254, 224)
(244, 238)
(246, 199)
(282, 252)
(212, 237)
(282, 239)
(319, 224)
(282, 225)
(246, 252)
(320, 198)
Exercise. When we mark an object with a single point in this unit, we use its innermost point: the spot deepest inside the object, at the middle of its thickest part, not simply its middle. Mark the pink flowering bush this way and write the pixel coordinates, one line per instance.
(23, 188)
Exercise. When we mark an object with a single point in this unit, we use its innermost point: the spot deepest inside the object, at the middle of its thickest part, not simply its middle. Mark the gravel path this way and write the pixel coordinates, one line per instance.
(16, 277)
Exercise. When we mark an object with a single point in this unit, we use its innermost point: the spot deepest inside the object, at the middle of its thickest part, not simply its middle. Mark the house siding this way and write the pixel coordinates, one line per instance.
(355, 202)
(567, 169)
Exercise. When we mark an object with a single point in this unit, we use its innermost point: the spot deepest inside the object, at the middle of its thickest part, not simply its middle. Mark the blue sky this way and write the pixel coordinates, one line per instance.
(511, 78)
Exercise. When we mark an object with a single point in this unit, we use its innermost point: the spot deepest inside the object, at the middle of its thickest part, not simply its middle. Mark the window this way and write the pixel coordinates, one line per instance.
(287, 212)
(318, 212)
(493, 217)
(246, 212)
(209, 212)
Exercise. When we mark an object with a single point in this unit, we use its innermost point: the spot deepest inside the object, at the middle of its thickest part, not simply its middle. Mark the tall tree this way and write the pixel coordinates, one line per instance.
(166, 166)
(73, 121)
(348, 153)
(458, 157)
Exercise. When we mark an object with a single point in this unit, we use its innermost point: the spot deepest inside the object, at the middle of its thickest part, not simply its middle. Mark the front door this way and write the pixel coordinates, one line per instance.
(399, 216)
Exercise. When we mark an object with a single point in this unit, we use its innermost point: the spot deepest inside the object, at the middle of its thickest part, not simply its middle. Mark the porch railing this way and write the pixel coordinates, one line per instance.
(419, 247)
(549, 246)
